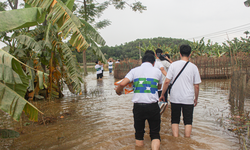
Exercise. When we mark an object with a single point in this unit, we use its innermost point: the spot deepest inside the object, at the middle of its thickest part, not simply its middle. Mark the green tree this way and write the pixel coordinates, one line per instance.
(89, 10)
(246, 32)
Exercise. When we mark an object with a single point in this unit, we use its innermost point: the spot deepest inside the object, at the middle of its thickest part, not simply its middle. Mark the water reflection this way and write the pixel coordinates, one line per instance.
(99, 119)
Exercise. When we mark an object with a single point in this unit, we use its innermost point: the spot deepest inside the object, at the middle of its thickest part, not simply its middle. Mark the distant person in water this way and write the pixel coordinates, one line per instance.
(110, 66)
(101, 64)
(98, 70)
(118, 61)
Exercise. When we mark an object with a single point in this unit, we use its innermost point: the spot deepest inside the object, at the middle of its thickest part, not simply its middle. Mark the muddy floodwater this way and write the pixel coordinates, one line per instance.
(100, 120)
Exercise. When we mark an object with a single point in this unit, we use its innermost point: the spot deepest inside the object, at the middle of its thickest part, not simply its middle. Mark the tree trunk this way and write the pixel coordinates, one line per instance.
(84, 61)
(51, 74)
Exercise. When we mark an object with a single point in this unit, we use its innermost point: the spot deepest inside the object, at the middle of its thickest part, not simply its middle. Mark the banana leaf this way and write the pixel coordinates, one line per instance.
(40, 79)
(71, 67)
(7, 74)
(13, 87)
(7, 133)
(29, 42)
(21, 18)
(59, 13)
(13, 104)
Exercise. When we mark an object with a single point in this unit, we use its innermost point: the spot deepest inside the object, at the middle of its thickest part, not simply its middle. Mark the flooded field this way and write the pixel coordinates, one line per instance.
(100, 120)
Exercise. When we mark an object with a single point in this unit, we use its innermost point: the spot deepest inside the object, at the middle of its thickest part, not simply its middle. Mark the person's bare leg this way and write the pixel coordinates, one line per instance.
(188, 130)
(139, 143)
(155, 145)
(175, 130)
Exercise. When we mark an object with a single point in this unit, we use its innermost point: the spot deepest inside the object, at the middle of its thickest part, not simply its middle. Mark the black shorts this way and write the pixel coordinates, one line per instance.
(187, 112)
(99, 75)
(150, 112)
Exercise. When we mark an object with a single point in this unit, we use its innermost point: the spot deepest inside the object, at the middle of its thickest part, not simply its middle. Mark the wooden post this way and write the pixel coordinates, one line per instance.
(242, 91)
(140, 53)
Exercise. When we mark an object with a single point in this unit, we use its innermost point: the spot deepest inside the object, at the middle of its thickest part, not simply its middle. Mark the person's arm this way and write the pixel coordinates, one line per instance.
(120, 87)
(196, 93)
(163, 71)
(164, 89)
(169, 60)
(159, 86)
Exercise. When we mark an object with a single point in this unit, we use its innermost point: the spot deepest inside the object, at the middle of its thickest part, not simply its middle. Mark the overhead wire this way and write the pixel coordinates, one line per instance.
(221, 33)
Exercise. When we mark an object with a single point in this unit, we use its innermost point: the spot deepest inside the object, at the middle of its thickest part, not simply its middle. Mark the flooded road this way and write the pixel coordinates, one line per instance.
(100, 120)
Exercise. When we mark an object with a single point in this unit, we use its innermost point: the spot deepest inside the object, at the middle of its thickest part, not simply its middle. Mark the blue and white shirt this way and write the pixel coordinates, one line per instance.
(98, 69)
(110, 65)
(145, 80)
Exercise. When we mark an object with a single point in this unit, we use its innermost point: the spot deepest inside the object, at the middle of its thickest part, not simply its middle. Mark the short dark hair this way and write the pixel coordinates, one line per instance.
(148, 58)
(158, 51)
(185, 50)
(149, 52)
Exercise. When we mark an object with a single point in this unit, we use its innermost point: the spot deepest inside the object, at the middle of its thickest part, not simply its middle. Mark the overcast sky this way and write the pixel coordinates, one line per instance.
(218, 20)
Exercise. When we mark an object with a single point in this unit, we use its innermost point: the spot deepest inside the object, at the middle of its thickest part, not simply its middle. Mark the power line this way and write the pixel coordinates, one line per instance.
(241, 28)
(230, 32)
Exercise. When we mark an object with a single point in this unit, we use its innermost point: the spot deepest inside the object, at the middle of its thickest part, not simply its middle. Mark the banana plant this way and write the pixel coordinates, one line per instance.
(144, 47)
(233, 46)
(198, 47)
(59, 15)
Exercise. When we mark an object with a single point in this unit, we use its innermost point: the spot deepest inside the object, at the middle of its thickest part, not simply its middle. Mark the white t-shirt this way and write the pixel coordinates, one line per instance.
(98, 69)
(165, 65)
(110, 65)
(182, 91)
(145, 80)
(158, 64)
(101, 66)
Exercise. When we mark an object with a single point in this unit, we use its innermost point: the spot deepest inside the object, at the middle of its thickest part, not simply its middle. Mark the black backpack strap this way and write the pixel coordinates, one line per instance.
(180, 72)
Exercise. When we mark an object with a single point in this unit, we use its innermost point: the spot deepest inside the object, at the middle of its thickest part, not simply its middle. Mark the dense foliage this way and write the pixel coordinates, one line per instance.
(131, 49)
(171, 46)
